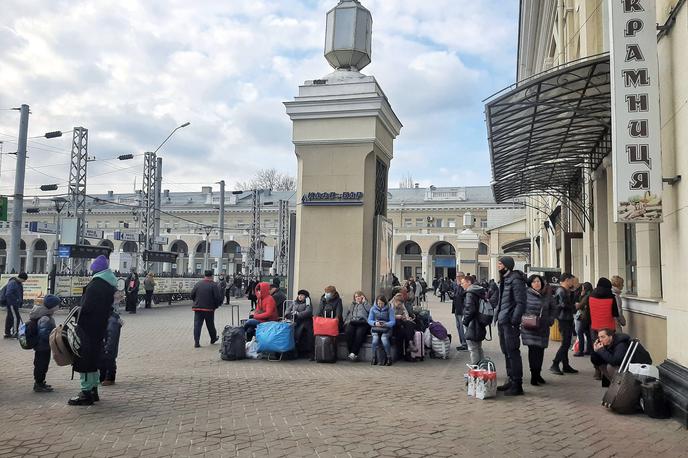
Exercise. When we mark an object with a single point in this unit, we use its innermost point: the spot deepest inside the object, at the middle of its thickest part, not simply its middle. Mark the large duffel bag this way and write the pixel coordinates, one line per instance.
(623, 394)
(233, 344)
(275, 337)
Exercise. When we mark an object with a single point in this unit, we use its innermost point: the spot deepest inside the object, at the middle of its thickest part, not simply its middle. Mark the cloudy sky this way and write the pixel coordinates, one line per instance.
(131, 71)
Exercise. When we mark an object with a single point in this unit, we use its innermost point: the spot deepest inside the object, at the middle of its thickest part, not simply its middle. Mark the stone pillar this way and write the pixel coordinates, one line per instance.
(49, 260)
(426, 267)
(29, 260)
(191, 268)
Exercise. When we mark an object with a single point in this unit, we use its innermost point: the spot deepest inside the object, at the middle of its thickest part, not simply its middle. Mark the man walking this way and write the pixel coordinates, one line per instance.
(206, 299)
(512, 304)
(14, 298)
(565, 309)
(457, 310)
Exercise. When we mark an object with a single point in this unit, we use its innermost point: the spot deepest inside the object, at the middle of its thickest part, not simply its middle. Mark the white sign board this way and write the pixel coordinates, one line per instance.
(216, 248)
(637, 156)
(69, 231)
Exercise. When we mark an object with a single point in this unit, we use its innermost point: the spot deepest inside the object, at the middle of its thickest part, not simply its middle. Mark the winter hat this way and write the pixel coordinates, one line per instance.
(100, 264)
(51, 301)
(275, 283)
(23, 276)
(604, 283)
(508, 262)
(304, 292)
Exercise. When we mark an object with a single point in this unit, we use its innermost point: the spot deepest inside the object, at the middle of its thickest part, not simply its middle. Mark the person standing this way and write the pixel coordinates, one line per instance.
(131, 290)
(238, 286)
(457, 310)
(251, 292)
(564, 307)
(96, 305)
(45, 323)
(512, 304)
(14, 297)
(206, 299)
(475, 330)
(583, 331)
(149, 286)
(540, 303)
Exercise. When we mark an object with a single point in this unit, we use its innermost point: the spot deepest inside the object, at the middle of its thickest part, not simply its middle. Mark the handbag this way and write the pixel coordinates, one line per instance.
(324, 326)
(382, 329)
(531, 322)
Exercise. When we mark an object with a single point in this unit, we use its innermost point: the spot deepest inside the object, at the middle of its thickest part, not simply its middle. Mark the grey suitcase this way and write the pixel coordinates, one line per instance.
(325, 349)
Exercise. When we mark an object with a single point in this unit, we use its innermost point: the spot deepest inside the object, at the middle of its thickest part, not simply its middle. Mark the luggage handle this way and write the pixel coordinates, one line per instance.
(629, 356)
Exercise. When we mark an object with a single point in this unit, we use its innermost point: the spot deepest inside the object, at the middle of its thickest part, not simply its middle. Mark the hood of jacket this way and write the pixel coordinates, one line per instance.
(476, 289)
(108, 276)
(39, 311)
(264, 288)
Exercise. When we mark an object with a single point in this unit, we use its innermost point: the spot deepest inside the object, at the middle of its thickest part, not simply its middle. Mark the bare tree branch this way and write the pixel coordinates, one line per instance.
(269, 179)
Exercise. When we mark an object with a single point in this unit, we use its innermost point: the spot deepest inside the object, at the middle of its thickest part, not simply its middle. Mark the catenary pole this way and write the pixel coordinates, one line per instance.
(13, 261)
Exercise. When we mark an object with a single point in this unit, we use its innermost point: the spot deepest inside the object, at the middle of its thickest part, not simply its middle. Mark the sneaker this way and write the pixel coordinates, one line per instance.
(84, 398)
(352, 357)
(212, 341)
(555, 369)
(197, 345)
(569, 370)
(462, 348)
(8, 336)
(506, 386)
(515, 390)
(42, 388)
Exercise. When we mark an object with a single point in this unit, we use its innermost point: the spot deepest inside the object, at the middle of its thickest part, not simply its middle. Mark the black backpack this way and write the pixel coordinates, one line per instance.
(233, 344)
(3, 292)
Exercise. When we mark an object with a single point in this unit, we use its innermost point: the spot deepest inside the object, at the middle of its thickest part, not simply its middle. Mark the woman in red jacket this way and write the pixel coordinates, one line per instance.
(603, 309)
(266, 310)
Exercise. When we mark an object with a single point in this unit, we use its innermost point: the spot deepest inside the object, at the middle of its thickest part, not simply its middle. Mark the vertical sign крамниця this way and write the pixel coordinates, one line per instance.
(636, 146)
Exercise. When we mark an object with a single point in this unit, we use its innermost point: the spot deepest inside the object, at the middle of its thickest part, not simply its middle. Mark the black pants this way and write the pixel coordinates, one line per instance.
(209, 318)
(584, 333)
(442, 296)
(403, 332)
(228, 294)
(41, 361)
(510, 344)
(12, 320)
(566, 330)
(149, 298)
(131, 302)
(356, 333)
(535, 357)
(304, 339)
(108, 369)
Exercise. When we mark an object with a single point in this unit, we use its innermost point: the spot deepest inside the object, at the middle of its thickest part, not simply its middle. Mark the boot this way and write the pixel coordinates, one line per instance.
(598, 374)
(540, 380)
(515, 390)
(605, 382)
(42, 388)
(534, 379)
(94, 394)
(505, 387)
(555, 369)
(84, 398)
(374, 361)
(388, 361)
(567, 369)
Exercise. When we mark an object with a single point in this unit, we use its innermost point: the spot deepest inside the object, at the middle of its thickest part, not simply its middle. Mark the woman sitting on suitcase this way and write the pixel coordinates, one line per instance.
(356, 325)
(405, 327)
(266, 310)
(381, 320)
(301, 313)
(610, 349)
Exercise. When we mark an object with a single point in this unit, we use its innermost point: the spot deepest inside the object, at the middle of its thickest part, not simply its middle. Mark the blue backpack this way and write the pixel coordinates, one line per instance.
(28, 335)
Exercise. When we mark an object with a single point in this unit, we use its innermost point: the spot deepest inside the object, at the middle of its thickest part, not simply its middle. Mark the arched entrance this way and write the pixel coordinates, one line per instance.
(199, 257)
(443, 259)
(410, 260)
(127, 256)
(39, 256)
(182, 249)
(232, 254)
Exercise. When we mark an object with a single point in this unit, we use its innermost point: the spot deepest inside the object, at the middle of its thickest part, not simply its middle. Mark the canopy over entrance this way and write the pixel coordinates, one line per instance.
(544, 130)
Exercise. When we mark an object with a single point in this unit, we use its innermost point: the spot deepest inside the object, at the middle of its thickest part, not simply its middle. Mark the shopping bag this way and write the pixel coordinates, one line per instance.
(325, 326)
(471, 378)
(252, 349)
(275, 337)
(486, 382)
(576, 346)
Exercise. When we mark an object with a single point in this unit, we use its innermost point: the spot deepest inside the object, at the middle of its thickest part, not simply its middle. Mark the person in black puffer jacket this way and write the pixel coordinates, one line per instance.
(539, 303)
(610, 350)
(512, 303)
(475, 330)
(565, 308)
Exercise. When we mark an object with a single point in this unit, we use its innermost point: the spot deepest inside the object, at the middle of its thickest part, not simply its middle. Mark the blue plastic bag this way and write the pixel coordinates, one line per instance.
(275, 337)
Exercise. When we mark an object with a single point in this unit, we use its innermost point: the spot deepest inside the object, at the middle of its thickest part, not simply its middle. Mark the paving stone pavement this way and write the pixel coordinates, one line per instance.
(173, 400)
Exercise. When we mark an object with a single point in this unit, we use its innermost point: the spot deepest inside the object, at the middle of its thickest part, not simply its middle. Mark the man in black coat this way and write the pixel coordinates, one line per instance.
(565, 308)
(96, 304)
(512, 304)
(457, 310)
(206, 299)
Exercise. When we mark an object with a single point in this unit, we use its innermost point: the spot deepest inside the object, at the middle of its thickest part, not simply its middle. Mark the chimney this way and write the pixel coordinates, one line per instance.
(207, 189)
(110, 194)
(166, 193)
(416, 185)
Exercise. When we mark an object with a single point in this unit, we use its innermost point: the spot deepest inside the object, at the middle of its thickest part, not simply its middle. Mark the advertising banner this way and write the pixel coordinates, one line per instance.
(35, 287)
(637, 156)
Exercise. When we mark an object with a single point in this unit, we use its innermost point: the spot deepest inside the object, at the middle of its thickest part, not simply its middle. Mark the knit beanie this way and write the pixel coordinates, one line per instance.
(51, 301)
(508, 262)
(275, 283)
(99, 264)
(604, 283)
(304, 292)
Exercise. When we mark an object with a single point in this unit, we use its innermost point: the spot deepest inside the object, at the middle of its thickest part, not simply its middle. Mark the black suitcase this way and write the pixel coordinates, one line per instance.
(325, 349)
(233, 344)
(653, 401)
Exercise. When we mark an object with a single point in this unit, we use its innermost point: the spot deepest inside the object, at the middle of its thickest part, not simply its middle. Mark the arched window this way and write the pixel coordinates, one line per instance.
(483, 249)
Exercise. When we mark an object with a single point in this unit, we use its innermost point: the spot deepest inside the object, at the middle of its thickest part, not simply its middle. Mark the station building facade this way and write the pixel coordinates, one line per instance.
(551, 143)
(427, 222)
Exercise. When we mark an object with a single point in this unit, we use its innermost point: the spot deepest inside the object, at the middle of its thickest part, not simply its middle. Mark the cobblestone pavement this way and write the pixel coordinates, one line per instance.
(172, 399)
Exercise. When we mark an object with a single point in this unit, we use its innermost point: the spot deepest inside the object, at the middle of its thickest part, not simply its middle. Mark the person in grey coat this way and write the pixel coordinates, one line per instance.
(475, 330)
(539, 302)
(301, 313)
(356, 325)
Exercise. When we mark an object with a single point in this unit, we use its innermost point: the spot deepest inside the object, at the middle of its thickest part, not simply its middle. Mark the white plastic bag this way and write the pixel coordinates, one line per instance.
(252, 349)
(486, 382)
(471, 378)
(142, 304)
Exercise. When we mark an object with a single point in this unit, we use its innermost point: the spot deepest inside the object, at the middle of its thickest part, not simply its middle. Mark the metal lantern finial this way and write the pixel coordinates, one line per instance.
(348, 36)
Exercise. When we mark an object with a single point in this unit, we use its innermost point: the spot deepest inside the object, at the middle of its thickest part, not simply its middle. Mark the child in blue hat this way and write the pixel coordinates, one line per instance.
(45, 323)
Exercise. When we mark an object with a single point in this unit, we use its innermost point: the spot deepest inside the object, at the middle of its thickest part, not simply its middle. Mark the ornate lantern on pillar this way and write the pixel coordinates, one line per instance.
(348, 36)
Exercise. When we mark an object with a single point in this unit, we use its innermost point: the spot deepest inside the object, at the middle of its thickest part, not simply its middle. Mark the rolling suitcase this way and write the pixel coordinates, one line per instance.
(653, 401)
(233, 344)
(325, 349)
(623, 394)
(419, 354)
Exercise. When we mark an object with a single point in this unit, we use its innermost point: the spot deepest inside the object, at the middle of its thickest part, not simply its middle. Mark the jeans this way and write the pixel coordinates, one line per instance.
(209, 318)
(476, 350)
(385, 343)
(149, 298)
(510, 344)
(566, 331)
(41, 361)
(460, 328)
(535, 357)
(250, 328)
(228, 294)
(356, 333)
(12, 320)
(584, 334)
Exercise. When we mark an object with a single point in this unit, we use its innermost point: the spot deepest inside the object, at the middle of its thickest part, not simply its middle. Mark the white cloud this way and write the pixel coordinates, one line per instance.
(130, 71)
